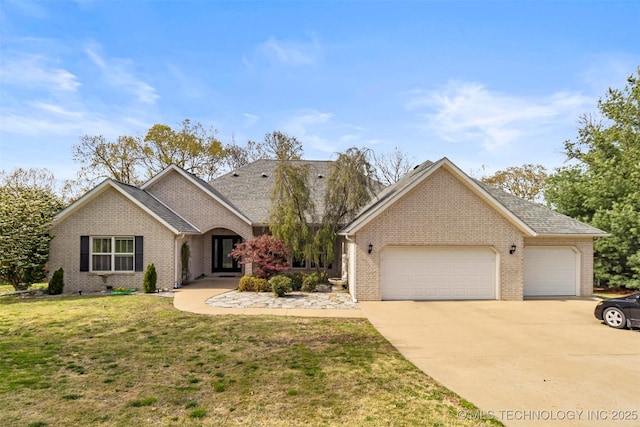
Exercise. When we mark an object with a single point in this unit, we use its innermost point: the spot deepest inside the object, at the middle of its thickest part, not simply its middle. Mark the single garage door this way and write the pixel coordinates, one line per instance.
(550, 271)
(438, 273)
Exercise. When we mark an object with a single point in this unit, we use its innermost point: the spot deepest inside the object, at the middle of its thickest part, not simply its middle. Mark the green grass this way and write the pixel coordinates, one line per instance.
(109, 361)
(6, 288)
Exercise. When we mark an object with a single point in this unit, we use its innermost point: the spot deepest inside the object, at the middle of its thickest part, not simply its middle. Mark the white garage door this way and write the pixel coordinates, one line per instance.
(426, 273)
(550, 271)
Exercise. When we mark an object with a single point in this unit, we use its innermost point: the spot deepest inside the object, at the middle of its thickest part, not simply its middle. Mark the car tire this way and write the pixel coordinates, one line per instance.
(615, 318)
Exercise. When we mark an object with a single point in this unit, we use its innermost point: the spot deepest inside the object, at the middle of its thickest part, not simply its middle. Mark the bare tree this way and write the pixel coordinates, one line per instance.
(390, 167)
(237, 156)
(102, 159)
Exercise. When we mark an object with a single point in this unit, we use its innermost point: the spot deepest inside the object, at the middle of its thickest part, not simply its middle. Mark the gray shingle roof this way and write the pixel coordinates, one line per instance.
(158, 208)
(249, 187)
(542, 220)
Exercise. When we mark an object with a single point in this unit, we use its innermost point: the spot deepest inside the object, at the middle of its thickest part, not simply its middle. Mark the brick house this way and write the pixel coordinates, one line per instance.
(435, 234)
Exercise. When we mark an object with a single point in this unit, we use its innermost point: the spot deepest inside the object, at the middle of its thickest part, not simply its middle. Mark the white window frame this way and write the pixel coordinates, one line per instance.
(113, 254)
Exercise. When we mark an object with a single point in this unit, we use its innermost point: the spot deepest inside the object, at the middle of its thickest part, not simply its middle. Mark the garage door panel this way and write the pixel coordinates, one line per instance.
(426, 273)
(550, 271)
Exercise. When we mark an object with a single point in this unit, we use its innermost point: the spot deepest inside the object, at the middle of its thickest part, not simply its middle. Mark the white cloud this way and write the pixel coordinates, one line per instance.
(250, 119)
(187, 84)
(610, 71)
(467, 111)
(47, 119)
(119, 74)
(322, 133)
(307, 125)
(95, 57)
(35, 71)
(289, 52)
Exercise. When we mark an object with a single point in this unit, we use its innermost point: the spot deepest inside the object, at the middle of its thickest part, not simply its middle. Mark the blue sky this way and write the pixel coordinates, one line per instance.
(484, 83)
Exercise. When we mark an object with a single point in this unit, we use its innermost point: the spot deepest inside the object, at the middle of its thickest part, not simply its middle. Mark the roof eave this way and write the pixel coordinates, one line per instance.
(572, 235)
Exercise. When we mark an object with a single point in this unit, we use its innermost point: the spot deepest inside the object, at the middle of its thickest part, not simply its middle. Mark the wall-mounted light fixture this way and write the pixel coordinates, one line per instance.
(370, 247)
(513, 249)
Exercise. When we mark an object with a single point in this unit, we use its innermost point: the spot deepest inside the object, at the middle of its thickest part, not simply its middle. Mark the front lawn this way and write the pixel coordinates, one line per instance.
(135, 360)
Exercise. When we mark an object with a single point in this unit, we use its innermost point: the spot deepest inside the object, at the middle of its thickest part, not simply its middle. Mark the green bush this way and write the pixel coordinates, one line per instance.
(296, 281)
(150, 279)
(57, 283)
(323, 278)
(310, 282)
(252, 284)
(280, 285)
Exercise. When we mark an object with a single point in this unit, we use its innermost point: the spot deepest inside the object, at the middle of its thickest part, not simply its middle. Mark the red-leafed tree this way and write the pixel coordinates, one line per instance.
(268, 255)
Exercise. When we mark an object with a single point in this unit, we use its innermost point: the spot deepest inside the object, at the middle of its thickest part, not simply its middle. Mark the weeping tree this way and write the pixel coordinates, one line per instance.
(292, 206)
(350, 187)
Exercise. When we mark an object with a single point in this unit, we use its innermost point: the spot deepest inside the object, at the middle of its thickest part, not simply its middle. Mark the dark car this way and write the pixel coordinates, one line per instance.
(620, 313)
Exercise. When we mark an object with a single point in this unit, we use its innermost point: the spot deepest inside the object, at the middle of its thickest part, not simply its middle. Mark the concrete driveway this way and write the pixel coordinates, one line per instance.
(528, 363)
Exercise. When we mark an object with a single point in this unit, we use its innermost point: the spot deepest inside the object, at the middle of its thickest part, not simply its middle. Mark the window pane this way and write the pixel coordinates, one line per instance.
(124, 263)
(101, 245)
(227, 247)
(124, 246)
(101, 262)
(299, 262)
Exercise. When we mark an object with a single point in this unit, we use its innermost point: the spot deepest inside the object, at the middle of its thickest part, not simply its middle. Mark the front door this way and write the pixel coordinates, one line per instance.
(222, 262)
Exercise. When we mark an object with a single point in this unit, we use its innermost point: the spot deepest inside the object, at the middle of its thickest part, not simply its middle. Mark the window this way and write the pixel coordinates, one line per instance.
(301, 262)
(112, 254)
(298, 262)
(323, 261)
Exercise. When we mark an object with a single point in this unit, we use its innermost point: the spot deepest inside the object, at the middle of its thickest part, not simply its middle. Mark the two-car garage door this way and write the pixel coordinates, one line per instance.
(438, 273)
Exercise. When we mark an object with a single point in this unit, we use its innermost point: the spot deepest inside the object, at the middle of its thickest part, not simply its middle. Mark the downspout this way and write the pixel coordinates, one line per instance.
(176, 278)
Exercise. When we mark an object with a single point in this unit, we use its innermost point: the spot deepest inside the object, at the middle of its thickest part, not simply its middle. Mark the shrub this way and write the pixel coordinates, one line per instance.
(310, 282)
(323, 278)
(57, 282)
(268, 255)
(252, 284)
(150, 279)
(296, 281)
(185, 254)
(280, 285)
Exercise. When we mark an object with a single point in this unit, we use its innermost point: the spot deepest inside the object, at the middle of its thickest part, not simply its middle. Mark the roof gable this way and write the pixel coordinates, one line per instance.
(141, 198)
(531, 219)
(202, 185)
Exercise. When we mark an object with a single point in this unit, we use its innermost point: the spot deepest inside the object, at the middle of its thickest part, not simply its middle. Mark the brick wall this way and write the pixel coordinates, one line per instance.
(440, 211)
(111, 214)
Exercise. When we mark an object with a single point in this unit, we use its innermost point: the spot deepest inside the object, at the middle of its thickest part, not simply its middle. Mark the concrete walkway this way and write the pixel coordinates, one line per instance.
(207, 296)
